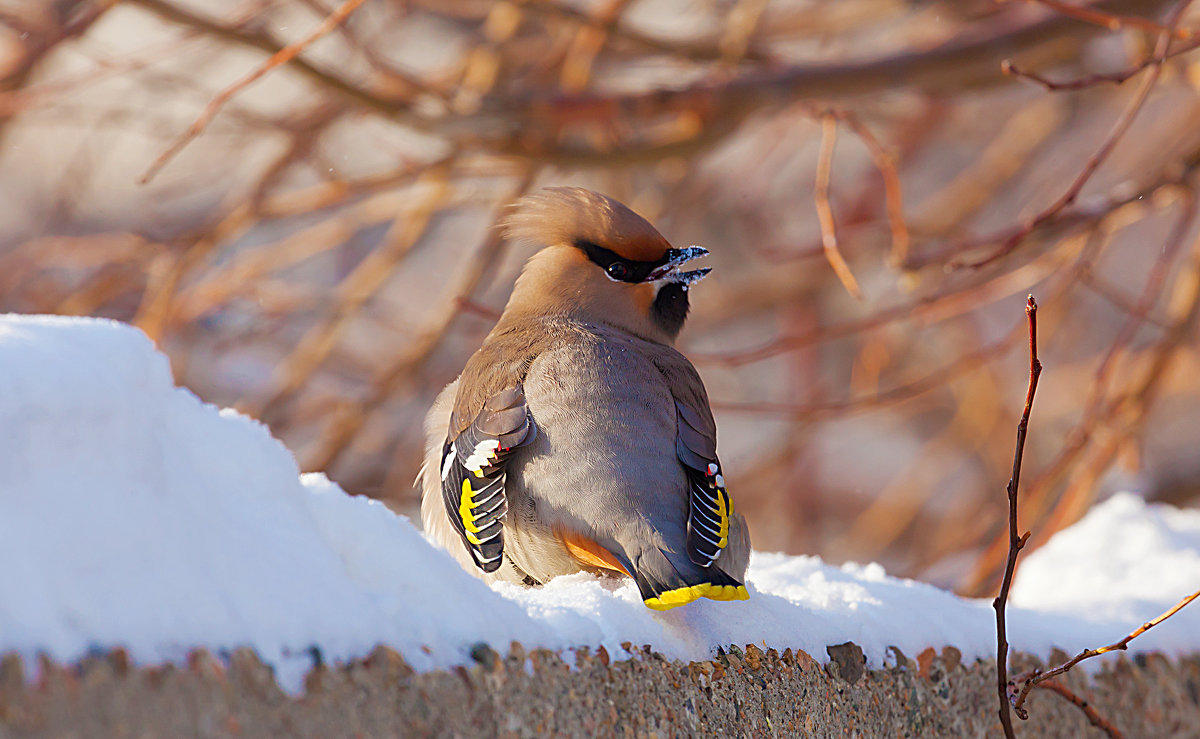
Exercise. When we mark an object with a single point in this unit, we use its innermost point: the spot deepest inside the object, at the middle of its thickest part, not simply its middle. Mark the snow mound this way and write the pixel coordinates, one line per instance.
(1126, 561)
(133, 514)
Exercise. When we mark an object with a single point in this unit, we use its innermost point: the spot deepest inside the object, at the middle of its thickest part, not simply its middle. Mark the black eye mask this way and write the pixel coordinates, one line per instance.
(616, 266)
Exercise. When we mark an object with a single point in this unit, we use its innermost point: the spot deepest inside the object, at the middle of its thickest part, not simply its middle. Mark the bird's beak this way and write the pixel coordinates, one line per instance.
(669, 271)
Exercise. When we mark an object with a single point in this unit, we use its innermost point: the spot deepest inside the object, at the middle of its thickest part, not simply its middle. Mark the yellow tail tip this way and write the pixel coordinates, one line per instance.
(682, 596)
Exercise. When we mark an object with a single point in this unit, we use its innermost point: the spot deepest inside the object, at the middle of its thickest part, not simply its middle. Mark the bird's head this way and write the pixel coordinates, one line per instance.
(600, 261)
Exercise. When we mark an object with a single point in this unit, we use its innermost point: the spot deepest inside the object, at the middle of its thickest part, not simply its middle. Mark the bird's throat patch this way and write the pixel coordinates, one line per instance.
(670, 307)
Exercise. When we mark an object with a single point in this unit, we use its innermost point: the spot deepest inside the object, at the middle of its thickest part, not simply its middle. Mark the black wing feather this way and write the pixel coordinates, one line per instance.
(709, 505)
(473, 474)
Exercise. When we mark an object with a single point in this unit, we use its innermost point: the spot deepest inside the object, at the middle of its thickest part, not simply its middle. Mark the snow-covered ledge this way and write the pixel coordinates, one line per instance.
(133, 515)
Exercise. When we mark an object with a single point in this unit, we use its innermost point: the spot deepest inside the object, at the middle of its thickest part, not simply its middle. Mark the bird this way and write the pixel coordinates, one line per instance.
(577, 437)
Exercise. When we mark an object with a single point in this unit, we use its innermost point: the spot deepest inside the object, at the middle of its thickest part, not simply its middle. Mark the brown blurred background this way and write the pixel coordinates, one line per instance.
(322, 254)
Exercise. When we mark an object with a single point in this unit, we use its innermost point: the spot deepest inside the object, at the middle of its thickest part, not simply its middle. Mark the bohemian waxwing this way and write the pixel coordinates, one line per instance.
(577, 438)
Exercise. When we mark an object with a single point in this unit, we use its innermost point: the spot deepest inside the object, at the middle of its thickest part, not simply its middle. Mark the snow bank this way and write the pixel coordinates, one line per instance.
(1126, 562)
(133, 514)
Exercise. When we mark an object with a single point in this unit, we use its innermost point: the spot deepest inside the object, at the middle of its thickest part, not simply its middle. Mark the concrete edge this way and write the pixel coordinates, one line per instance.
(744, 691)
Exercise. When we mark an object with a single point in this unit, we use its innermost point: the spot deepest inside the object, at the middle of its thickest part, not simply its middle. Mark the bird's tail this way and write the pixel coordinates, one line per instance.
(665, 585)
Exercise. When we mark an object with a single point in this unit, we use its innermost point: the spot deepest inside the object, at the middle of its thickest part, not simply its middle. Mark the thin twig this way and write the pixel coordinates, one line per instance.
(1091, 80)
(1088, 709)
(703, 50)
(238, 37)
(1015, 542)
(1099, 410)
(590, 39)
(1157, 277)
(885, 162)
(532, 124)
(1110, 21)
(938, 378)
(1113, 295)
(1063, 221)
(281, 57)
(536, 125)
(1094, 161)
(353, 415)
(1036, 678)
(920, 308)
(946, 306)
(825, 211)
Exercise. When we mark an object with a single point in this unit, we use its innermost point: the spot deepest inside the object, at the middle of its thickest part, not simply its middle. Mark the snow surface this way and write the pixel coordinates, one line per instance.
(133, 514)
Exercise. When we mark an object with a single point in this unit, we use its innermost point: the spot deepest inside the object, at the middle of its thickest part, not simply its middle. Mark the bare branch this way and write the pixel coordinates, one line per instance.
(1093, 163)
(825, 211)
(1092, 80)
(1015, 542)
(1111, 21)
(1036, 678)
(533, 124)
(885, 162)
(1088, 709)
(279, 58)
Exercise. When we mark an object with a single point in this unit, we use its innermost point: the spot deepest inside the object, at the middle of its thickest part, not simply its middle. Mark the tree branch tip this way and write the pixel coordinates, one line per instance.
(1016, 543)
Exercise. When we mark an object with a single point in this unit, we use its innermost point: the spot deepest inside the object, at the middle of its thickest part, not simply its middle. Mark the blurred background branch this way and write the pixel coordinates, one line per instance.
(322, 254)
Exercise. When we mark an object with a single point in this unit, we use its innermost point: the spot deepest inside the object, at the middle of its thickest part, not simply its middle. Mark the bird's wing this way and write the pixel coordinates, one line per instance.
(710, 508)
(473, 473)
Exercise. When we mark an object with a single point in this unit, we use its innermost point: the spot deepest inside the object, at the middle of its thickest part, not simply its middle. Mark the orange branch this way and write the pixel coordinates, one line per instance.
(825, 210)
